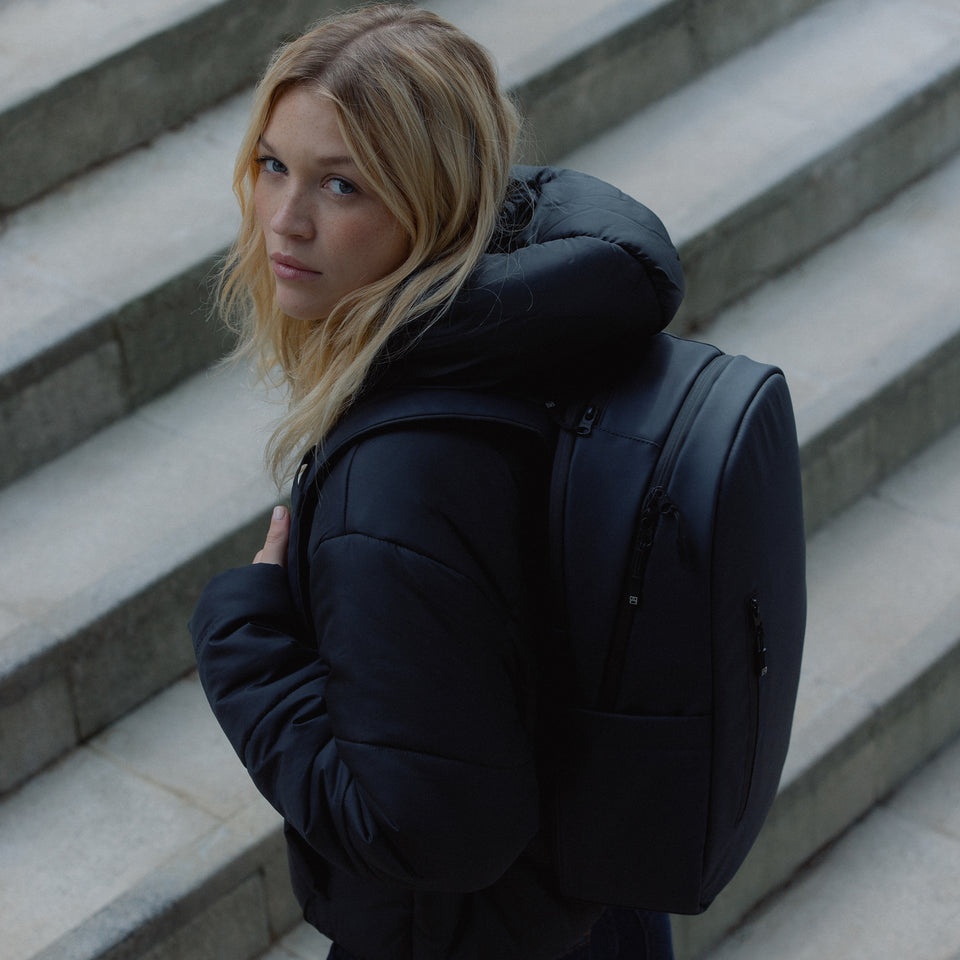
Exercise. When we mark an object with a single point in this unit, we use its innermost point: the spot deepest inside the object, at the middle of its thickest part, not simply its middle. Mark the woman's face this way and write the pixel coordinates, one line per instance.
(326, 232)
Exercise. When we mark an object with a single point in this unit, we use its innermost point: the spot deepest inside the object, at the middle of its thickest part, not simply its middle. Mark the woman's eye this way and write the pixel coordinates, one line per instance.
(271, 164)
(342, 188)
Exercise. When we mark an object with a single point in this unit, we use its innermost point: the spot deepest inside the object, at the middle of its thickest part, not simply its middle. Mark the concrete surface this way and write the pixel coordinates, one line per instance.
(138, 69)
(140, 834)
(867, 331)
(302, 943)
(155, 505)
(888, 889)
(760, 161)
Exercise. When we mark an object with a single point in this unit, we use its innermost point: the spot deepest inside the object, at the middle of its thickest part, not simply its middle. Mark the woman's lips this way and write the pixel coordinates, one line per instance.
(289, 268)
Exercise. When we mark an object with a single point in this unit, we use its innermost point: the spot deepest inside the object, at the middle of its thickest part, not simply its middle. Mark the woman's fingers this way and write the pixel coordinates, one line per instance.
(275, 546)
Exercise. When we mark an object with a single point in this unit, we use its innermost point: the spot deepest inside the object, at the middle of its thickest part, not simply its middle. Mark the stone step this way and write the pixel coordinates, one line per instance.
(765, 158)
(578, 68)
(111, 324)
(301, 943)
(106, 550)
(154, 845)
(868, 332)
(149, 66)
(138, 69)
(105, 306)
(888, 889)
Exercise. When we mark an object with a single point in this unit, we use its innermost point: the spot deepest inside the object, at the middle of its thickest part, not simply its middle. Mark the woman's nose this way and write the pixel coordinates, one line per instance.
(292, 216)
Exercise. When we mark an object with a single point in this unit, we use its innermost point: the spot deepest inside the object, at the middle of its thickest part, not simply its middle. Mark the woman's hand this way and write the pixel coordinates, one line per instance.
(275, 546)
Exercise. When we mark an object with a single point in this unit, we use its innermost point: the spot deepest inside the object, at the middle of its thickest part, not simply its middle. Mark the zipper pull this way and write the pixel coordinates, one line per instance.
(638, 564)
(649, 516)
(669, 509)
(760, 648)
(585, 427)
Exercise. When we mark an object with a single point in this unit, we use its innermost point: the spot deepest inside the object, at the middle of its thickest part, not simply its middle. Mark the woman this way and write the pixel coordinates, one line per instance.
(389, 709)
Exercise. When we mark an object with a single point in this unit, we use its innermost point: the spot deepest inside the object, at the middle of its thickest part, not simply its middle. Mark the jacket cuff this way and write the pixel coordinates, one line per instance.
(257, 593)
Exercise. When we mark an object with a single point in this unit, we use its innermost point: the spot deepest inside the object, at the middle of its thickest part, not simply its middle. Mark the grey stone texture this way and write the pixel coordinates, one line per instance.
(141, 68)
(302, 943)
(868, 333)
(110, 306)
(885, 891)
(762, 160)
(151, 832)
(121, 533)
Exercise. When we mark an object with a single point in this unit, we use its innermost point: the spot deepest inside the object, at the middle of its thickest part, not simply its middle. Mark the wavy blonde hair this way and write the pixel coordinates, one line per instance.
(422, 112)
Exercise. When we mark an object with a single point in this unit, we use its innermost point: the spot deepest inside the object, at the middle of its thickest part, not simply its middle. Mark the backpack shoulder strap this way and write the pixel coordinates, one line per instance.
(401, 408)
(394, 410)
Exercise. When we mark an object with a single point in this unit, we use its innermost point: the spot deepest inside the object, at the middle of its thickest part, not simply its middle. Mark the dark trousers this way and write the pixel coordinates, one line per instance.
(618, 935)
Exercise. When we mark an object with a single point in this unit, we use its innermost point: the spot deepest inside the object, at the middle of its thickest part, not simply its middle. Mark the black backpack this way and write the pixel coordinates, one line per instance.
(677, 572)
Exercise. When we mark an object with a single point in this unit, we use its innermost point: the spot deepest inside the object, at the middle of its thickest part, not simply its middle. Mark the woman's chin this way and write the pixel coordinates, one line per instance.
(302, 308)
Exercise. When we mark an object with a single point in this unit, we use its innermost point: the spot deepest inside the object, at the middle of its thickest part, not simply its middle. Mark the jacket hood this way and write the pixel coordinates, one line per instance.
(579, 276)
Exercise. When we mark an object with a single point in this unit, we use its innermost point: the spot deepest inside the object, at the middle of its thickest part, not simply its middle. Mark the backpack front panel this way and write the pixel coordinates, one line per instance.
(701, 737)
(632, 803)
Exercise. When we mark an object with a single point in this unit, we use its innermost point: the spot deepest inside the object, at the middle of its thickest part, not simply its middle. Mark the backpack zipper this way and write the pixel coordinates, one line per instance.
(759, 671)
(568, 431)
(656, 504)
(759, 639)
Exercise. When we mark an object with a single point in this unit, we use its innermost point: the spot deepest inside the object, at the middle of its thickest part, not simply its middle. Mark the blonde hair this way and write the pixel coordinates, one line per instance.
(422, 112)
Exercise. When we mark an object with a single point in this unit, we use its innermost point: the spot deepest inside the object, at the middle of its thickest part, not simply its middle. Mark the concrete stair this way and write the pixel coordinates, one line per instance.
(806, 158)
(137, 70)
(884, 891)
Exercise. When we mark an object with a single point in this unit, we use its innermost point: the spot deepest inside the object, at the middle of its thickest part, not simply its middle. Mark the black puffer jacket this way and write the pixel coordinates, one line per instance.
(393, 722)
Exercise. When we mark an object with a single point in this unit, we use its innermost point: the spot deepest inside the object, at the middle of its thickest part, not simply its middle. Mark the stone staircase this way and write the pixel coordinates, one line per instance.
(806, 158)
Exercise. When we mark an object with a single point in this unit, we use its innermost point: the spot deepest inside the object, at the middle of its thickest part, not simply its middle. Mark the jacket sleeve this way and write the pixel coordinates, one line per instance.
(397, 742)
